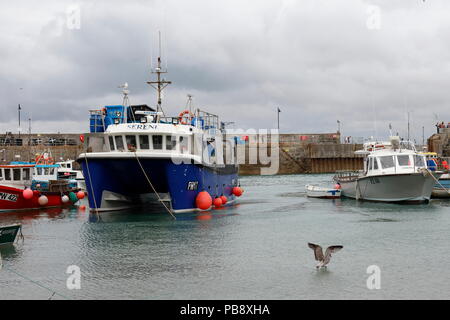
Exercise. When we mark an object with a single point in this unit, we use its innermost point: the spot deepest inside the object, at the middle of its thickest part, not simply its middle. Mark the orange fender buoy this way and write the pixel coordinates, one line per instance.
(237, 191)
(27, 193)
(203, 200)
(217, 202)
(224, 199)
(80, 194)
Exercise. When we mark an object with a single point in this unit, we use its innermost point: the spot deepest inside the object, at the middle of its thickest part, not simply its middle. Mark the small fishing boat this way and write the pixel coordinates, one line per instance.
(393, 172)
(321, 192)
(17, 193)
(67, 172)
(442, 187)
(8, 233)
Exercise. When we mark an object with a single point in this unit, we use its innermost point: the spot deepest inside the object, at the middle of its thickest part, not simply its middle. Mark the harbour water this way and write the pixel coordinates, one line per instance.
(254, 250)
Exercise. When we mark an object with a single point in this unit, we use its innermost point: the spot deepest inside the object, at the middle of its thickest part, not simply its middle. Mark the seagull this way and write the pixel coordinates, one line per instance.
(318, 254)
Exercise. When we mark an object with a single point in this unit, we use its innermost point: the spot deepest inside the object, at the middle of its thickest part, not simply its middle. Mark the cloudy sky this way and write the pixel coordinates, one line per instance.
(365, 63)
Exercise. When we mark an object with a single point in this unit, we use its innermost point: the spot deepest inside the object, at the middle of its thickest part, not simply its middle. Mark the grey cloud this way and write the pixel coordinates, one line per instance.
(316, 60)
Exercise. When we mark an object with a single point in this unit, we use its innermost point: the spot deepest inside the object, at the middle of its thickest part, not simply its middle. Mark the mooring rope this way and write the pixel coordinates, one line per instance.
(34, 282)
(151, 185)
(437, 180)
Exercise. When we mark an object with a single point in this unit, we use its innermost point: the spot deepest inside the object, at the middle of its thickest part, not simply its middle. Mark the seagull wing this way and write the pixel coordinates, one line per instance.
(318, 253)
(330, 250)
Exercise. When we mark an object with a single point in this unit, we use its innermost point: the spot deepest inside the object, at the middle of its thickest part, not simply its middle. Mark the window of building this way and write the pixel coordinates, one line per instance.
(157, 142)
(131, 142)
(144, 142)
(119, 143)
(111, 143)
(387, 162)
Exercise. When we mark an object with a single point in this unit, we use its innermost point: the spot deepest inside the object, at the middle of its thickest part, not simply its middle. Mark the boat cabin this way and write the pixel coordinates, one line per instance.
(380, 163)
(16, 175)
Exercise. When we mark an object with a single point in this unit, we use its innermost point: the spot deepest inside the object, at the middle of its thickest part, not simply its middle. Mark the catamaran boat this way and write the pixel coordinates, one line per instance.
(135, 155)
(393, 172)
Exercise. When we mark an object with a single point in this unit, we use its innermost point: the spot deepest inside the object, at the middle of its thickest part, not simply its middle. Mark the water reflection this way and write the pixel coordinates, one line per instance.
(27, 216)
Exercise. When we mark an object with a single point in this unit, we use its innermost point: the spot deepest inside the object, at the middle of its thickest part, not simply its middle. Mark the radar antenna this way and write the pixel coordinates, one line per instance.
(160, 84)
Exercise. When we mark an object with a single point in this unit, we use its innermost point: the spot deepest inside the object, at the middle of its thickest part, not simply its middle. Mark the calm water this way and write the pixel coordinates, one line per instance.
(255, 250)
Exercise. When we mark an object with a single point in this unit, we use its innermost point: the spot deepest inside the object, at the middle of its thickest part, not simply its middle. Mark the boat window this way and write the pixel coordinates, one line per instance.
(51, 170)
(184, 144)
(26, 174)
(403, 160)
(143, 142)
(387, 162)
(7, 174)
(419, 161)
(171, 142)
(111, 143)
(39, 171)
(1, 173)
(370, 163)
(157, 142)
(375, 164)
(16, 174)
(119, 143)
(131, 142)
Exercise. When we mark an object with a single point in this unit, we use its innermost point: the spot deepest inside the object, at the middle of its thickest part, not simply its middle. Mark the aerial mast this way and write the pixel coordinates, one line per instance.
(160, 84)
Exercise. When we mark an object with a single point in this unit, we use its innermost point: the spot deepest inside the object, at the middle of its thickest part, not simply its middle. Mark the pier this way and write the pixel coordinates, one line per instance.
(298, 153)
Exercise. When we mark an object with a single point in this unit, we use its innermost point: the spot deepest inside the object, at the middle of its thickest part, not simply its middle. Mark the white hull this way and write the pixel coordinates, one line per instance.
(319, 192)
(412, 187)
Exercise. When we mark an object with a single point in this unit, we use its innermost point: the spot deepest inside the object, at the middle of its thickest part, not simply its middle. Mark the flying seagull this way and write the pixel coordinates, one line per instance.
(318, 254)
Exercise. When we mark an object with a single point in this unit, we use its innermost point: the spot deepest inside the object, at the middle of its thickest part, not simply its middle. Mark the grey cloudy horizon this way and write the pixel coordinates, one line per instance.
(318, 61)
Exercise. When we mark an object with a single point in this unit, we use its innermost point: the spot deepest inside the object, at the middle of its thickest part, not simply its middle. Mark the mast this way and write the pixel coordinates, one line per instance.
(160, 84)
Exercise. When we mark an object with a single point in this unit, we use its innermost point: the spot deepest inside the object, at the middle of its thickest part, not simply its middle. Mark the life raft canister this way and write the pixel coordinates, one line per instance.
(182, 114)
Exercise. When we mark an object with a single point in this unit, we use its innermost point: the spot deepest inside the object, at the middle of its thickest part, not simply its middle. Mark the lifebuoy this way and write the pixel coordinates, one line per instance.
(181, 116)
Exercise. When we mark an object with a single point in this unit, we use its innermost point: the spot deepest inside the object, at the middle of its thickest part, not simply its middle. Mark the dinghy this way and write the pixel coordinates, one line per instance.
(321, 192)
(8, 233)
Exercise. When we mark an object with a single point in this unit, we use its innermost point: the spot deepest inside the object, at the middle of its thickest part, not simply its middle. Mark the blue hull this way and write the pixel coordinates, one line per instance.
(182, 182)
(438, 191)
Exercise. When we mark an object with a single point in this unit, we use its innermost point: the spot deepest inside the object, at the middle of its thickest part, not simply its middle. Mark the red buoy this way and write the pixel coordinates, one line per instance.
(80, 194)
(217, 202)
(237, 191)
(224, 199)
(337, 186)
(27, 194)
(203, 200)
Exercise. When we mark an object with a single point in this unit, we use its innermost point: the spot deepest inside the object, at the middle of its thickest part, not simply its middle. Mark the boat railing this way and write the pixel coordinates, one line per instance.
(344, 175)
